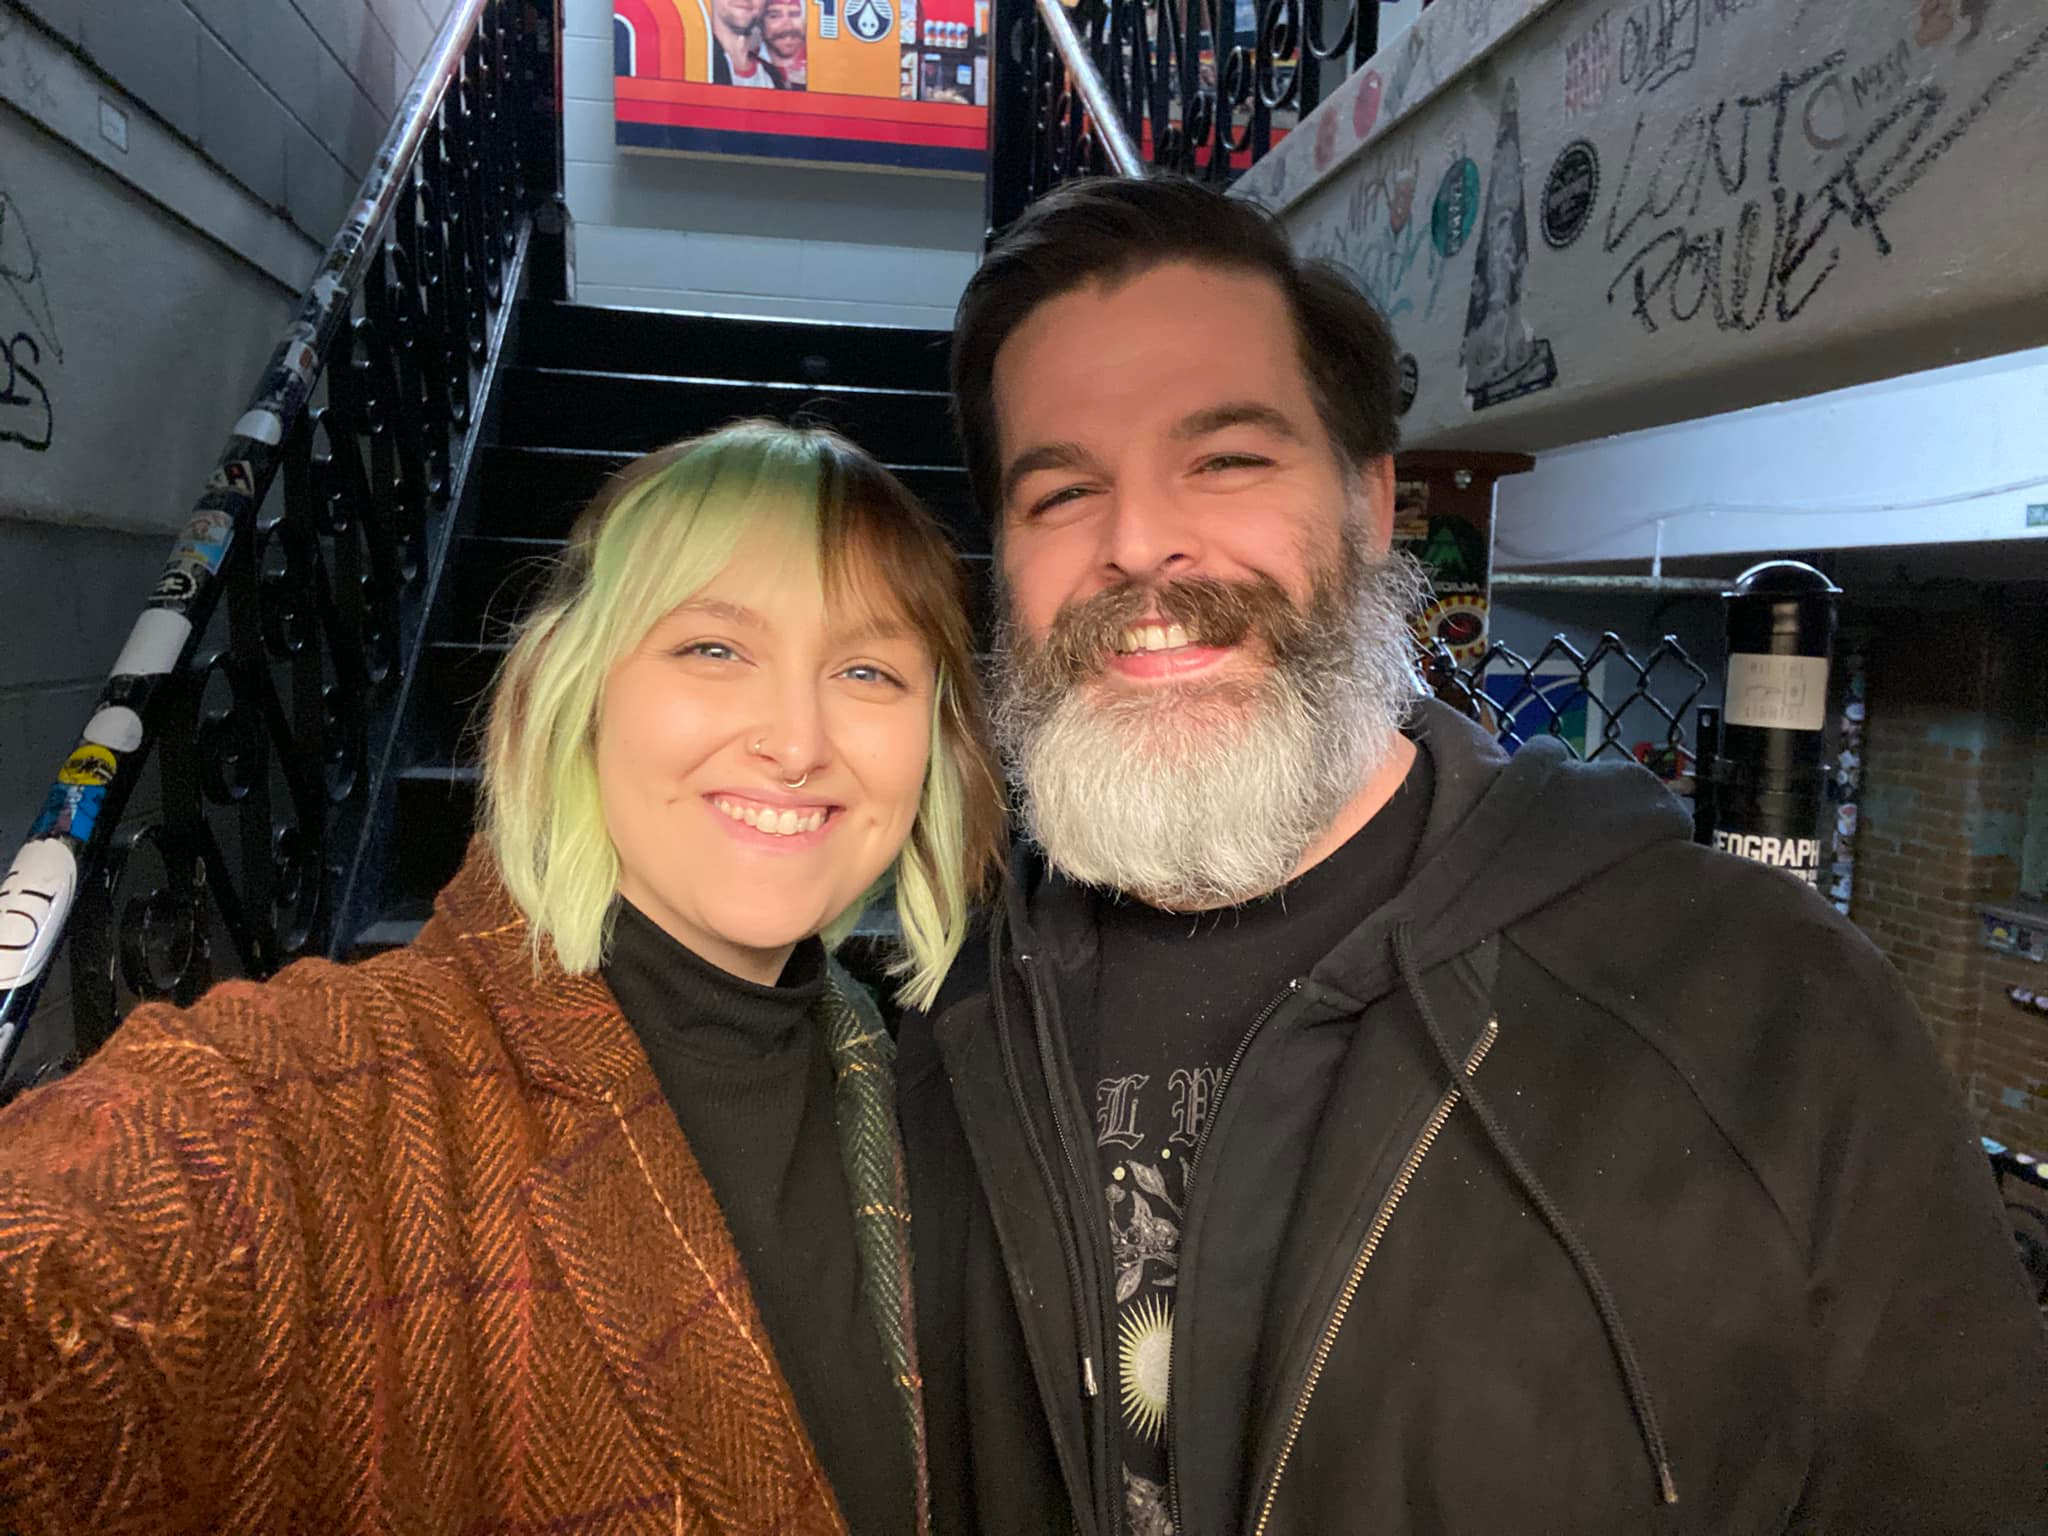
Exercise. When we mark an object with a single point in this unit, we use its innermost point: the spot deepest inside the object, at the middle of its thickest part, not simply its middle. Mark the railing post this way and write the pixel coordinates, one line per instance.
(1769, 783)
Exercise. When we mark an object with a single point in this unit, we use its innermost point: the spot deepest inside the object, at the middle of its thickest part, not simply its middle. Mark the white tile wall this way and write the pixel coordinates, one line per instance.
(676, 232)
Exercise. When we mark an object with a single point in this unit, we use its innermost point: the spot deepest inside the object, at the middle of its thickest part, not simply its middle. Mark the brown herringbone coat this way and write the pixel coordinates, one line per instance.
(414, 1245)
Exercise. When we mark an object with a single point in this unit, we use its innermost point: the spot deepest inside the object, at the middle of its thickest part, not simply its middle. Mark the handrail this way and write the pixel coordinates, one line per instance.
(326, 592)
(1124, 159)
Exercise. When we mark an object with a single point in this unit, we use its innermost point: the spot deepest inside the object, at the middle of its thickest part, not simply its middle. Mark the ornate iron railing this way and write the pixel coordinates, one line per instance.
(266, 672)
(1176, 84)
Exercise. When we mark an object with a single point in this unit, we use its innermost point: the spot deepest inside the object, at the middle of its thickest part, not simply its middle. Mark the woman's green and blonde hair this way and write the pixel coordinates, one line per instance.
(663, 528)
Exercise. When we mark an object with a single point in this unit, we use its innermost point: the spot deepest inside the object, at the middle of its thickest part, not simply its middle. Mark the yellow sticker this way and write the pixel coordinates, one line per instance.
(88, 765)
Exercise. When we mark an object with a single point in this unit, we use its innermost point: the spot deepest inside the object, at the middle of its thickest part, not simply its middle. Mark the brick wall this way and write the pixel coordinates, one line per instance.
(1955, 722)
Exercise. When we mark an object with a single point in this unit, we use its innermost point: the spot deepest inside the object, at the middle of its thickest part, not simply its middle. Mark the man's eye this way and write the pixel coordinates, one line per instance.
(1058, 498)
(1222, 461)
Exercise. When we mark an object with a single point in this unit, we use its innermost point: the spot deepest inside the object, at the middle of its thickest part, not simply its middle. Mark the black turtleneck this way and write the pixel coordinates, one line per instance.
(746, 1071)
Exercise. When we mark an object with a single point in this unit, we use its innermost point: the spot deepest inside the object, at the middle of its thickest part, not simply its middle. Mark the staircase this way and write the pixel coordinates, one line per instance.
(585, 391)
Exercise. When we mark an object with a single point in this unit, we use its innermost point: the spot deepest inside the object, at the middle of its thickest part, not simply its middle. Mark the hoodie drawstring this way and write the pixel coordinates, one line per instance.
(1589, 1273)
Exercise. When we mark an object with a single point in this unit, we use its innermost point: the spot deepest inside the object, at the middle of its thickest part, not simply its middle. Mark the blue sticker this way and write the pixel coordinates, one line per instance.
(72, 810)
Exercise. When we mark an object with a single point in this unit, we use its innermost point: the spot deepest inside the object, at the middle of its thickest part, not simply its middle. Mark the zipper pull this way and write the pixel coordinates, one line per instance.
(1088, 1375)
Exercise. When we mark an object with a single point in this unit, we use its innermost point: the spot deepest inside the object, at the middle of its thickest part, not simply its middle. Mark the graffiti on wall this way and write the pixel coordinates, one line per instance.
(28, 335)
(1502, 357)
(1712, 219)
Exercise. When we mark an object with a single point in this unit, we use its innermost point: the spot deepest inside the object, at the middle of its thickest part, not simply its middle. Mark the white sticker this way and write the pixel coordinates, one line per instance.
(153, 644)
(115, 726)
(35, 898)
(1779, 693)
(262, 427)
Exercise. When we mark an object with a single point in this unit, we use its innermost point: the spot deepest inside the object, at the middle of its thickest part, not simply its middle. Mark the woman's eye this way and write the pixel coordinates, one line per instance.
(865, 673)
(711, 650)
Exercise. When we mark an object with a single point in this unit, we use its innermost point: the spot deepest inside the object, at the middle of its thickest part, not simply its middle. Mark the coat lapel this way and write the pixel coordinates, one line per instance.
(618, 1199)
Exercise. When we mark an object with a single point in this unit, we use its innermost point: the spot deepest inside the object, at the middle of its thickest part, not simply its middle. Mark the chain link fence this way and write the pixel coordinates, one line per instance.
(1602, 703)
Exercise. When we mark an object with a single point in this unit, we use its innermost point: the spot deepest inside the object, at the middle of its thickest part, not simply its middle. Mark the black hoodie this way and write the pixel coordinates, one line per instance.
(1595, 1183)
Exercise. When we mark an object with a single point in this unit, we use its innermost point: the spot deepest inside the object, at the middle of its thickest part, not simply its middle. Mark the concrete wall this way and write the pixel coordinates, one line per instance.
(674, 232)
(1586, 218)
(169, 173)
(289, 97)
(1950, 456)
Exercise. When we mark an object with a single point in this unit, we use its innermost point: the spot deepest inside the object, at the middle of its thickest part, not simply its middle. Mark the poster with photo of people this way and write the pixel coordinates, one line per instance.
(898, 84)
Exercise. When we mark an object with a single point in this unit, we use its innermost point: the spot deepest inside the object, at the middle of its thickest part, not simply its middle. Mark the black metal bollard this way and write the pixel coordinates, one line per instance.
(1769, 782)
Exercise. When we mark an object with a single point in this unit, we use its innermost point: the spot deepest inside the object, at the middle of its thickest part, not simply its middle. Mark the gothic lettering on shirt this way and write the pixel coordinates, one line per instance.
(1194, 1091)
(1116, 1111)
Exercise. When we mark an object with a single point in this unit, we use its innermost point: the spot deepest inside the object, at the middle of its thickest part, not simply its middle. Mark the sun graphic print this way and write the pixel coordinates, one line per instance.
(1145, 1334)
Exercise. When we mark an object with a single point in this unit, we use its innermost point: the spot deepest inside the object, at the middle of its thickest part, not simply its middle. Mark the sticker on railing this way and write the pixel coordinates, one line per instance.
(70, 810)
(35, 896)
(153, 644)
(235, 477)
(115, 726)
(261, 427)
(89, 764)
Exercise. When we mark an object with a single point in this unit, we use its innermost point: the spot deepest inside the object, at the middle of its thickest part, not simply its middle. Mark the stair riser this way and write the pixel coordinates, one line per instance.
(640, 341)
(622, 412)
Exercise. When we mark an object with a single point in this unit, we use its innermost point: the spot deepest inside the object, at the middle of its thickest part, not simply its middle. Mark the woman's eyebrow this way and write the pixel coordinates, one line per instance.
(716, 608)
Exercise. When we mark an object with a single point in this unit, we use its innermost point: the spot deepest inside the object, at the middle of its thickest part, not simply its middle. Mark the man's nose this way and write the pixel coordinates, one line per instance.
(1146, 537)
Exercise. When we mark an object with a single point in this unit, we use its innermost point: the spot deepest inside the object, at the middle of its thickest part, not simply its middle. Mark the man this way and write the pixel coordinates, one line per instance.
(1340, 1126)
(733, 61)
(784, 42)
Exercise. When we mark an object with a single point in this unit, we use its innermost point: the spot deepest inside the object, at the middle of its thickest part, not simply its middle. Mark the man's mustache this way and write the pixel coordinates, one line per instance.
(1218, 613)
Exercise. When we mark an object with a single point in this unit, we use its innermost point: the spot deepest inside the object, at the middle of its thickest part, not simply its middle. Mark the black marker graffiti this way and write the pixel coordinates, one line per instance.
(1660, 40)
(1764, 252)
(25, 414)
(22, 391)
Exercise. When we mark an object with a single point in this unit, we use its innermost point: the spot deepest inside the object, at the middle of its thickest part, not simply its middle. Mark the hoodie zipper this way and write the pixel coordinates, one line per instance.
(1373, 1237)
(1244, 1044)
(1094, 1409)
(1062, 1215)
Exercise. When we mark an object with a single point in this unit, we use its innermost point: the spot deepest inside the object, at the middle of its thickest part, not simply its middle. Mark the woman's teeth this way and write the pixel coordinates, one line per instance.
(1152, 637)
(766, 819)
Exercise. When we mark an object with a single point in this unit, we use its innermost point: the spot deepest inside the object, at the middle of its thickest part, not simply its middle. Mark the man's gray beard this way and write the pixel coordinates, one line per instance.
(1202, 796)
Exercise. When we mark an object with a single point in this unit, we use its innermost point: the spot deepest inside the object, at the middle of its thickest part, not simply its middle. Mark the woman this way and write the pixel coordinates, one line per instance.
(584, 1211)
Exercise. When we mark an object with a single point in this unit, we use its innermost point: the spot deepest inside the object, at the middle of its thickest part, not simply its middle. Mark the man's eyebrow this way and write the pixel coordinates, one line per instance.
(1042, 456)
(1235, 413)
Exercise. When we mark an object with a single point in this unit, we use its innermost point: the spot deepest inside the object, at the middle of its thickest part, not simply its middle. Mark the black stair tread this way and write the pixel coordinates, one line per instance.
(442, 773)
(538, 491)
(658, 341)
(567, 408)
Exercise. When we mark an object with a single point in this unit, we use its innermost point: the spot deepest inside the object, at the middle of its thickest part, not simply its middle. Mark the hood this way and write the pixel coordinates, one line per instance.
(1506, 837)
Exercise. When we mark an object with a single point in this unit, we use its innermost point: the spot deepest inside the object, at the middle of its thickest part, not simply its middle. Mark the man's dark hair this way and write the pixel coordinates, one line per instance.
(1108, 229)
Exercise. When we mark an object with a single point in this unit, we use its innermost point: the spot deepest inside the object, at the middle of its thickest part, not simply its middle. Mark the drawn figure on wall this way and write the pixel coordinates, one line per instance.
(1502, 359)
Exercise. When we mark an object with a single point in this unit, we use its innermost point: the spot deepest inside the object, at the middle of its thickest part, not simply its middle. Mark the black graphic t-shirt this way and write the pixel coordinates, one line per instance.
(1178, 992)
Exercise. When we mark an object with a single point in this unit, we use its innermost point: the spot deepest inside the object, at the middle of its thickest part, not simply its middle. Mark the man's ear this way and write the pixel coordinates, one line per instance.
(1374, 490)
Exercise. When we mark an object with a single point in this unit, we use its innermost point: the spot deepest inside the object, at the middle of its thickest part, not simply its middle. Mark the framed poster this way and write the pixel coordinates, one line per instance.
(896, 84)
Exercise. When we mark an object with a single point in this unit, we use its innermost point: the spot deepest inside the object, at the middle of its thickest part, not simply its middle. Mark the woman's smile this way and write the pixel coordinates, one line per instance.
(781, 825)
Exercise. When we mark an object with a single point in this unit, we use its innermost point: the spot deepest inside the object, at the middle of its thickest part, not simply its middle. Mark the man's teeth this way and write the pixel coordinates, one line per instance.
(1152, 637)
(767, 819)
